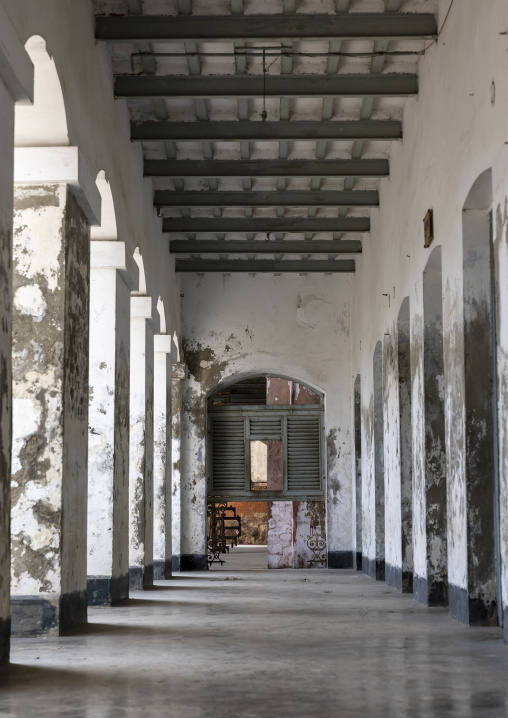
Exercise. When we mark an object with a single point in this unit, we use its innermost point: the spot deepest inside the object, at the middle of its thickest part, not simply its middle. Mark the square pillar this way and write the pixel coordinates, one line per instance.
(178, 374)
(112, 278)
(141, 442)
(162, 456)
(16, 86)
(50, 391)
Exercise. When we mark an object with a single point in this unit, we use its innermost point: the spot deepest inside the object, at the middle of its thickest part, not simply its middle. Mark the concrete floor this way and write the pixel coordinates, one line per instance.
(261, 644)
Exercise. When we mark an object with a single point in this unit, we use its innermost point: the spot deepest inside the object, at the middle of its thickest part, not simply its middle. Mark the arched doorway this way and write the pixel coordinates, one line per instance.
(264, 447)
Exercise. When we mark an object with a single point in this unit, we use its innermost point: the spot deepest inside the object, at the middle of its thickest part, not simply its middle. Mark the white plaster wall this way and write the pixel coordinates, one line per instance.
(290, 325)
(453, 130)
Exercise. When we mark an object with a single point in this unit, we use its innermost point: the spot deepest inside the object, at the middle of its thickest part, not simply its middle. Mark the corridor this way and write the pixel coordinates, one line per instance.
(262, 644)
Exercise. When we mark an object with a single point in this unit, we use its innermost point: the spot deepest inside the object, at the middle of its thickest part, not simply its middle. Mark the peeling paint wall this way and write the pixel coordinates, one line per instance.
(162, 549)
(480, 464)
(391, 453)
(287, 325)
(178, 373)
(6, 212)
(357, 421)
(50, 398)
(405, 445)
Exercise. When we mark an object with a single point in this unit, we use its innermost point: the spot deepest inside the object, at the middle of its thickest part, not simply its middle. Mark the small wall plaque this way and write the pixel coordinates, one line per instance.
(428, 228)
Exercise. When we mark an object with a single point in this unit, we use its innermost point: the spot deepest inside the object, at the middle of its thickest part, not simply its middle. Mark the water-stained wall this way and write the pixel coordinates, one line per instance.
(282, 325)
(50, 409)
(178, 373)
(358, 470)
(439, 160)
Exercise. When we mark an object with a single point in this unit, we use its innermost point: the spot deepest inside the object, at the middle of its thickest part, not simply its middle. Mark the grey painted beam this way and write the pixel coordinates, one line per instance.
(202, 28)
(209, 86)
(265, 225)
(194, 246)
(265, 265)
(351, 198)
(291, 130)
(266, 168)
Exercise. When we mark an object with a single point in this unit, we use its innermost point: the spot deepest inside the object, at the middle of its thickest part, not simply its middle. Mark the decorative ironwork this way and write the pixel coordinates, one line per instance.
(224, 530)
(317, 544)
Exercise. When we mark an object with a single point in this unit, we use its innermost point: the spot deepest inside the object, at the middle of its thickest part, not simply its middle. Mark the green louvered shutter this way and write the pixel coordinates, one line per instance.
(303, 453)
(228, 454)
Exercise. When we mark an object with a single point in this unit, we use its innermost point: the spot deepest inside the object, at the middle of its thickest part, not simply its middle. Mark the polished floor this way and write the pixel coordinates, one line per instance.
(245, 642)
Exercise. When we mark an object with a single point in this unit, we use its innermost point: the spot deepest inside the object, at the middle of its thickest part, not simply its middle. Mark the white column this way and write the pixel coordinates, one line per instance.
(55, 202)
(16, 85)
(162, 456)
(144, 322)
(178, 374)
(113, 274)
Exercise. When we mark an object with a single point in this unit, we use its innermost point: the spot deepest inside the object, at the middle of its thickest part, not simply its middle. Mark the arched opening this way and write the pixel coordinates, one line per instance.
(358, 469)
(265, 461)
(405, 445)
(432, 589)
(378, 571)
(481, 605)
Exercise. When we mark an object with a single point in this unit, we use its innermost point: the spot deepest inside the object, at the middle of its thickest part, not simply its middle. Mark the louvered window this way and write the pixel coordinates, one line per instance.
(266, 427)
(228, 454)
(303, 455)
(277, 452)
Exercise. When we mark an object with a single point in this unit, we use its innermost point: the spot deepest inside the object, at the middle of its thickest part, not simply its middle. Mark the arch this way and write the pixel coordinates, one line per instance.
(405, 444)
(43, 124)
(107, 230)
(142, 278)
(264, 443)
(241, 376)
(482, 496)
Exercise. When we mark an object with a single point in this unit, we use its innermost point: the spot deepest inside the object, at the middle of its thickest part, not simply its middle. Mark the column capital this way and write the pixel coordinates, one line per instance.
(145, 308)
(16, 68)
(113, 254)
(164, 344)
(59, 165)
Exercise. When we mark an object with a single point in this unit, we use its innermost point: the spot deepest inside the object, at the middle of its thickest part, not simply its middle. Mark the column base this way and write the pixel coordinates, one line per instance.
(358, 560)
(432, 594)
(407, 582)
(470, 611)
(393, 576)
(162, 569)
(175, 562)
(140, 577)
(5, 640)
(48, 614)
(340, 559)
(193, 562)
(106, 590)
(374, 568)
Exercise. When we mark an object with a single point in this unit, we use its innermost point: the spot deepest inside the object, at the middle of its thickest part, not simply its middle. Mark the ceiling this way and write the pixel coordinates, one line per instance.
(266, 126)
